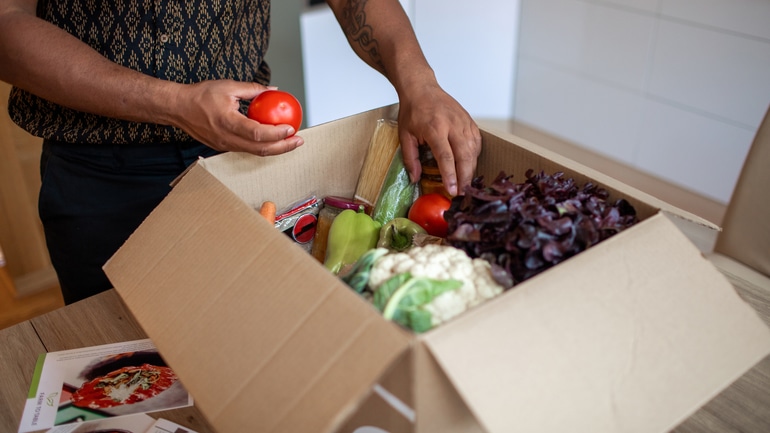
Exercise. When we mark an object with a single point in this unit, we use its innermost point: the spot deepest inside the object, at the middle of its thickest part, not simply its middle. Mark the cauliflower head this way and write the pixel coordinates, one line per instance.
(441, 262)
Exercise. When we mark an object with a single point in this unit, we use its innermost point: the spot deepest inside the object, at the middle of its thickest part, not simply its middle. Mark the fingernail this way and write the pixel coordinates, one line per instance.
(290, 131)
(272, 87)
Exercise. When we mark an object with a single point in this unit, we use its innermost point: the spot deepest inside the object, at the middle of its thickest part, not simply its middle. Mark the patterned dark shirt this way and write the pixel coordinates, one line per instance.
(182, 41)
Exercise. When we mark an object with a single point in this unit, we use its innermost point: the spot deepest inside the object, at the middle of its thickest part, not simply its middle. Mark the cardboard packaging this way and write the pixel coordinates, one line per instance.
(632, 335)
(746, 234)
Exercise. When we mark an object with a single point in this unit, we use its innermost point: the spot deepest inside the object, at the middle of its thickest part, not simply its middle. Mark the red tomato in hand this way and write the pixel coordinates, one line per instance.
(428, 212)
(276, 107)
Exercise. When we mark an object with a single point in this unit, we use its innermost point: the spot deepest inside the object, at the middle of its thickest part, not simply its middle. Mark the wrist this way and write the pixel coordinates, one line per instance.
(415, 81)
(167, 102)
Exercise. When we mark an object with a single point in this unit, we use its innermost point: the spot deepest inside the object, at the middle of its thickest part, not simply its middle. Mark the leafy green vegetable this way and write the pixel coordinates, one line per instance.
(386, 290)
(524, 228)
(358, 276)
(403, 299)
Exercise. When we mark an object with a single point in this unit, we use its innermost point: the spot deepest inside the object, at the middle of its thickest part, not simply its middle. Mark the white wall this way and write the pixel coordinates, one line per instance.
(337, 82)
(470, 45)
(676, 88)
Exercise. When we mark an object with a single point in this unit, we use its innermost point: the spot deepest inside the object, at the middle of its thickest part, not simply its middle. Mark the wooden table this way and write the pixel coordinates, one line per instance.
(103, 319)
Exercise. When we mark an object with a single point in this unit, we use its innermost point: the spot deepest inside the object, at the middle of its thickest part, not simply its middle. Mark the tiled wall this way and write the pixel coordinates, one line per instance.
(676, 88)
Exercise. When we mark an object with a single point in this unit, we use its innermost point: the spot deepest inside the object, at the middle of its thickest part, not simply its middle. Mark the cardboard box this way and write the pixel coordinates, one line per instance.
(631, 335)
(746, 235)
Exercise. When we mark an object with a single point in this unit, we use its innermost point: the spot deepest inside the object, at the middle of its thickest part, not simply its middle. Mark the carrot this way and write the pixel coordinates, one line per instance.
(268, 211)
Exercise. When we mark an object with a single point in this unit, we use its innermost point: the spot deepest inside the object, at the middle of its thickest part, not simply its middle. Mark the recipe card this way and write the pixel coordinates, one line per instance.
(100, 382)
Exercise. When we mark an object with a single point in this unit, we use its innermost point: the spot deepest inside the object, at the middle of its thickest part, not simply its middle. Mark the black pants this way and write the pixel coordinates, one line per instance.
(94, 196)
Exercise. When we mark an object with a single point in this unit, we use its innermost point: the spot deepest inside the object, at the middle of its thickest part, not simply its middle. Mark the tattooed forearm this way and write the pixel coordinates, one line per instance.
(357, 30)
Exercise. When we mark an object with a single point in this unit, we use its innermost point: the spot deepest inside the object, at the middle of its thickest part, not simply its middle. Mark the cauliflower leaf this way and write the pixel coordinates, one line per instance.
(403, 299)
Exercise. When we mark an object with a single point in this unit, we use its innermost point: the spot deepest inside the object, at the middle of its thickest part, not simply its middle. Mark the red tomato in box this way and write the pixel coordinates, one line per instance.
(276, 107)
(428, 212)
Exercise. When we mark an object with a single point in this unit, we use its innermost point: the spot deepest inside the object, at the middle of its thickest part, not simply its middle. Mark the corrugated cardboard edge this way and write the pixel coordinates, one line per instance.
(388, 405)
(619, 310)
(288, 177)
(746, 235)
(438, 405)
(176, 180)
(236, 335)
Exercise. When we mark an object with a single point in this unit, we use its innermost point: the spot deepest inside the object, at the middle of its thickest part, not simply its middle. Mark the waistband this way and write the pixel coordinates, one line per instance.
(157, 150)
(183, 153)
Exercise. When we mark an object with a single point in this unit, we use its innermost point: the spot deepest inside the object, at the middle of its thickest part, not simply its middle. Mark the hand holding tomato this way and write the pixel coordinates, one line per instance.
(210, 112)
(428, 212)
(276, 107)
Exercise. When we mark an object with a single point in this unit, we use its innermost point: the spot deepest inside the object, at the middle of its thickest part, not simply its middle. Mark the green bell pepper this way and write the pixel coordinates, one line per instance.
(397, 234)
(350, 236)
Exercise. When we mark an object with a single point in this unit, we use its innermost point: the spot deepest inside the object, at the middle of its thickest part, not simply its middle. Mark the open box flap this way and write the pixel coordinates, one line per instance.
(746, 235)
(633, 336)
(264, 338)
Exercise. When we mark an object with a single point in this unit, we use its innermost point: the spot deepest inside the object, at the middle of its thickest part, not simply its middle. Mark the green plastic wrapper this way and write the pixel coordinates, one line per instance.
(397, 193)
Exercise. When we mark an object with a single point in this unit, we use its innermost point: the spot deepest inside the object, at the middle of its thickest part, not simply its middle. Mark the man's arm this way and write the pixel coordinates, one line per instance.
(43, 59)
(381, 35)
